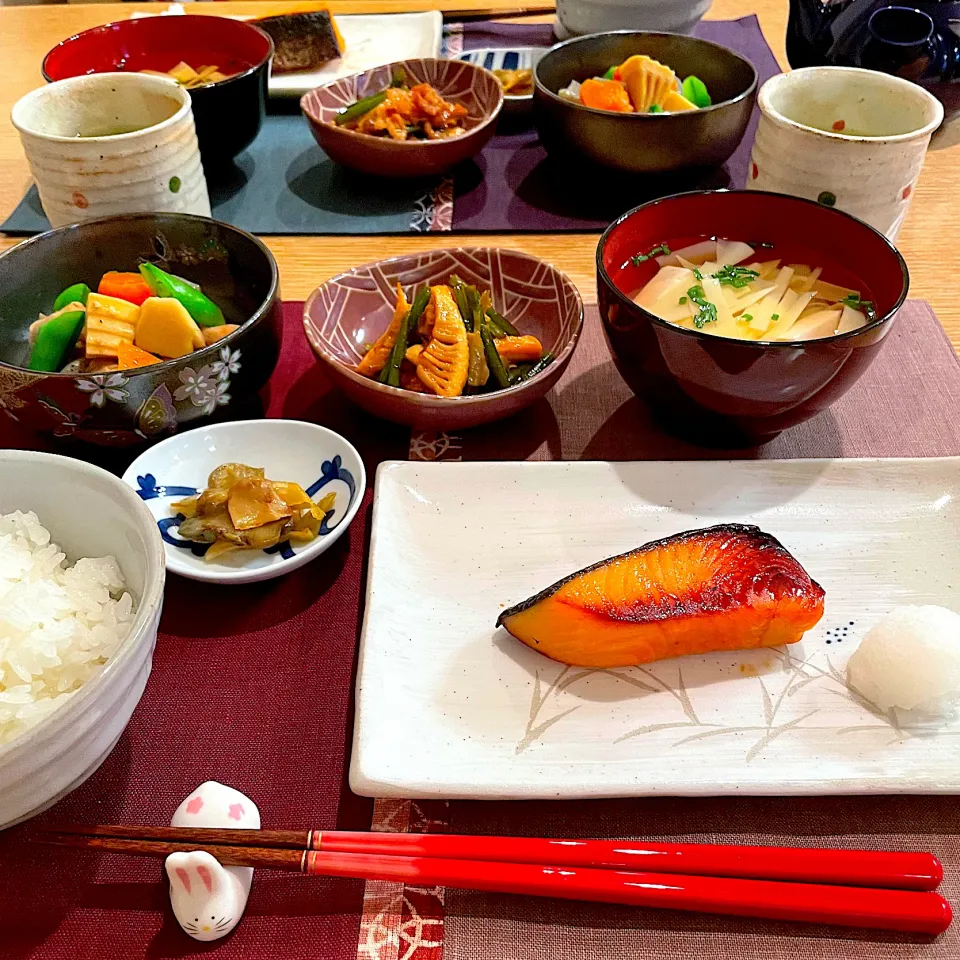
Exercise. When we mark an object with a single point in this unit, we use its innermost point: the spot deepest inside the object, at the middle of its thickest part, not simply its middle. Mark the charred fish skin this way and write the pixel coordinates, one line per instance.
(302, 41)
(730, 586)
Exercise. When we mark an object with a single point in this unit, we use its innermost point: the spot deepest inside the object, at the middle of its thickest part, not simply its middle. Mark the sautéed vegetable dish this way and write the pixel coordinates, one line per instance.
(452, 341)
(402, 112)
(723, 287)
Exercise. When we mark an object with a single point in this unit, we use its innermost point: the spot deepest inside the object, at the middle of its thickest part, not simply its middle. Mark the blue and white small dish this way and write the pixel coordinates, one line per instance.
(316, 458)
(512, 58)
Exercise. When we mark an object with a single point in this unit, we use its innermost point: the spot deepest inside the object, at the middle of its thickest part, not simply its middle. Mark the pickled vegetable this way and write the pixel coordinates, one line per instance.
(241, 510)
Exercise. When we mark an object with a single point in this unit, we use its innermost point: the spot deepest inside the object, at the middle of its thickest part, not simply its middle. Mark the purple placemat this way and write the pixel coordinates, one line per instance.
(538, 196)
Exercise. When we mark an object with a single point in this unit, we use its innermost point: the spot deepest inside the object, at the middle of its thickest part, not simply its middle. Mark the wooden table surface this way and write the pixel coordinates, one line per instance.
(26, 33)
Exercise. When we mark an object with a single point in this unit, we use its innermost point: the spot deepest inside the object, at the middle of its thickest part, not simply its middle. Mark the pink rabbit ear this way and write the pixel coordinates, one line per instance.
(235, 811)
(206, 876)
(195, 804)
(184, 878)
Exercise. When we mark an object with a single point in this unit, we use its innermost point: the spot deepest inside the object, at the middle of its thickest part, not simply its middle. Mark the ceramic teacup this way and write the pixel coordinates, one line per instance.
(848, 138)
(579, 17)
(112, 143)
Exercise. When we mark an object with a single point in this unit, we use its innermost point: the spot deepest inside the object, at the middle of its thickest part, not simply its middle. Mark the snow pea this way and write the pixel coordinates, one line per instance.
(198, 305)
(55, 339)
(695, 90)
(78, 293)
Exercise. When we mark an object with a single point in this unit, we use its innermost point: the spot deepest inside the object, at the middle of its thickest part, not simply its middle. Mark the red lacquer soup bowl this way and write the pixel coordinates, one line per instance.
(228, 114)
(724, 392)
(354, 308)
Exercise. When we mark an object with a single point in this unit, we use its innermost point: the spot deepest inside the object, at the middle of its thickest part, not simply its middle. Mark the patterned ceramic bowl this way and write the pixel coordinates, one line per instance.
(354, 308)
(509, 58)
(477, 89)
(133, 406)
(318, 459)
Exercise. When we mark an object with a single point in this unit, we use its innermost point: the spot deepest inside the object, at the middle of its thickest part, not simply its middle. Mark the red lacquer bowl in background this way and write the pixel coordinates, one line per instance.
(354, 308)
(455, 80)
(723, 392)
(228, 114)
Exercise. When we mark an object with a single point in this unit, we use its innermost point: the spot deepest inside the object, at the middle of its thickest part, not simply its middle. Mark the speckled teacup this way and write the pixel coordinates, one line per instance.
(849, 138)
(112, 143)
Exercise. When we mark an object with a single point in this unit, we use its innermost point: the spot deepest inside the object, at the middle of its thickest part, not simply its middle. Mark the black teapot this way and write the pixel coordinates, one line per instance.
(920, 42)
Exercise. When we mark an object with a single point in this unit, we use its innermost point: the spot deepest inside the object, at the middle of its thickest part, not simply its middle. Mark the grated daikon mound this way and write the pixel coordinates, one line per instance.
(59, 623)
(911, 660)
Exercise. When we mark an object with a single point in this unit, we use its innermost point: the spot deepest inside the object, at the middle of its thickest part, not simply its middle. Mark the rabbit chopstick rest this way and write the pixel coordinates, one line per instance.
(207, 898)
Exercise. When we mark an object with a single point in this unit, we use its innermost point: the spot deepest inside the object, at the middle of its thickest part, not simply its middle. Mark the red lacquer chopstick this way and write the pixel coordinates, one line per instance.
(904, 870)
(856, 868)
(905, 910)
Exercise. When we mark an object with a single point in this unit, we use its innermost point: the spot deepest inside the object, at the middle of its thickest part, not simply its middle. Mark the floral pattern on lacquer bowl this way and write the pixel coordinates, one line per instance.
(354, 308)
(133, 407)
(477, 89)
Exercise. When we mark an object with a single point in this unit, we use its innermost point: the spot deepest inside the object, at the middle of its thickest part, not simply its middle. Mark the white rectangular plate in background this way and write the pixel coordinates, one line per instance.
(450, 706)
(371, 40)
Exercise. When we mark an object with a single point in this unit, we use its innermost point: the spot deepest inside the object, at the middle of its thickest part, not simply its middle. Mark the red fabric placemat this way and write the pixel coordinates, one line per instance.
(254, 687)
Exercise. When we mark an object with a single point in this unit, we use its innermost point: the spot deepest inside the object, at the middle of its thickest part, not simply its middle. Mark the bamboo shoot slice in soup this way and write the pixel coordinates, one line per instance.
(730, 288)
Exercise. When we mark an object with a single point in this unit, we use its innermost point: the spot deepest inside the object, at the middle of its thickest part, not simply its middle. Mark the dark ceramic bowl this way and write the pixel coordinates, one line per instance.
(477, 89)
(725, 392)
(354, 308)
(228, 114)
(130, 407)
(644, 142)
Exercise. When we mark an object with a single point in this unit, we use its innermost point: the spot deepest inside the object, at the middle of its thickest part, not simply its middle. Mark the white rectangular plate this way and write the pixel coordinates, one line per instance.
(371, 40)
(449, 706)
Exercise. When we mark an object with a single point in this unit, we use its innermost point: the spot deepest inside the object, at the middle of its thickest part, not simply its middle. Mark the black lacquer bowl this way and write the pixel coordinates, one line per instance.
(644, 142)
(134, 406)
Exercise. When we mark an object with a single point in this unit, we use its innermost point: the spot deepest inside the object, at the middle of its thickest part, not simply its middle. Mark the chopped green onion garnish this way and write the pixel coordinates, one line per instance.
(853, 300)
(736, 276)
(655, 108)
(639, 258)
(707, 312)
(775, 316)
(683, 300)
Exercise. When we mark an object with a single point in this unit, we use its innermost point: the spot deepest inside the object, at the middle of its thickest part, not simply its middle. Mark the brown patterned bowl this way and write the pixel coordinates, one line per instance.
(131, 407)
(355, 307)
(477, 89)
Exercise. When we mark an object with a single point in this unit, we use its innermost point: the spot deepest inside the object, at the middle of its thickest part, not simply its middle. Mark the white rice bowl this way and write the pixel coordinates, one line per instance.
(60, 623)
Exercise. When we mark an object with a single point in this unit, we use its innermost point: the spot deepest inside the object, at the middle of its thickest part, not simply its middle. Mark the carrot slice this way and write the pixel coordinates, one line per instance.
(519, 349)
(129, 356)
(124, 286)
(605, 95)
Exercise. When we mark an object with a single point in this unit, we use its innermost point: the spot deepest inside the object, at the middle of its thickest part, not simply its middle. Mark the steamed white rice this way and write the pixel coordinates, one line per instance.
(59, 622)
